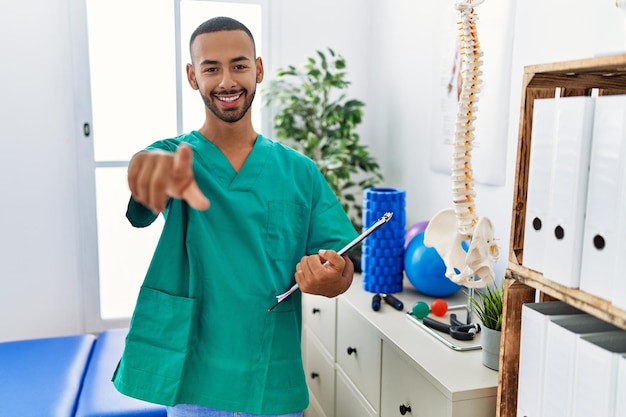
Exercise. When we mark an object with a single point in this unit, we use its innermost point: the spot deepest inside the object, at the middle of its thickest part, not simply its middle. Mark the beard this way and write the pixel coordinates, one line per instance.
(230, 115)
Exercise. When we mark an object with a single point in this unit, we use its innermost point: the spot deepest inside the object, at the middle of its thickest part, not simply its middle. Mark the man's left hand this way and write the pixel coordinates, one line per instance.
(326, 273)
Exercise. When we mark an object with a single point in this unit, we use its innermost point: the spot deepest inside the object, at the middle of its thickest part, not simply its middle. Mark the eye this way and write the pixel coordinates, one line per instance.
(210, 69)
(240, 67)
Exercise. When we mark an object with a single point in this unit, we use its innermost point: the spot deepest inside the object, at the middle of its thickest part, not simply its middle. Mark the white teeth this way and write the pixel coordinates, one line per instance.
(228, 99)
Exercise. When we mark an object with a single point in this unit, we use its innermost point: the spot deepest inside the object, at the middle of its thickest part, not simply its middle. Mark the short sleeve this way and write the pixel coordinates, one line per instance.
(137, 214)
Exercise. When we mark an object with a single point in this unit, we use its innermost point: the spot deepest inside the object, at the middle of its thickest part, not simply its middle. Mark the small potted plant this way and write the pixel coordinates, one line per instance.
(487, 304)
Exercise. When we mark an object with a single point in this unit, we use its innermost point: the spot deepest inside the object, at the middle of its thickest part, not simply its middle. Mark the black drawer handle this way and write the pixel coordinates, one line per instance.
(316, 310)
(351, 350)
(314, 375)
(405, 409)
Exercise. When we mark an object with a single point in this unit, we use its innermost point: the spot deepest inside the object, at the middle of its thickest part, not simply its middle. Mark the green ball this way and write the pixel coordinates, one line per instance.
(420, 310)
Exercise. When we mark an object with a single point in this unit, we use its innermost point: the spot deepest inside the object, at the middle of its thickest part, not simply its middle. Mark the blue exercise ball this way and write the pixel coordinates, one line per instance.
(426, 270)
(413, 230)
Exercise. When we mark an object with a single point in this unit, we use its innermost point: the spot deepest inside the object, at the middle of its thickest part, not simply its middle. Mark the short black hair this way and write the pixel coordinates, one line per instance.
(218, 24)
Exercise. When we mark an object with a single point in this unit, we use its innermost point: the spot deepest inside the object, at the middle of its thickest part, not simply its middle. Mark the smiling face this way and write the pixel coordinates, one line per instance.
(225, 72)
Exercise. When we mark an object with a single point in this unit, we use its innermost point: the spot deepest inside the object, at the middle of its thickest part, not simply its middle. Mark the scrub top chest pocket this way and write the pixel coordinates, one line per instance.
(285, 231)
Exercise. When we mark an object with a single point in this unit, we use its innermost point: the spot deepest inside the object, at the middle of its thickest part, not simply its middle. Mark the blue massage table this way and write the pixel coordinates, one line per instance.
(66, 377)
(99, 398)
(42, 377)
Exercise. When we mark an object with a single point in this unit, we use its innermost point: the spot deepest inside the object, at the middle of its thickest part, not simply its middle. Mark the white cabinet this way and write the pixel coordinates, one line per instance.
(320, 375)
(318, 347)
(406, 391)
(350, 402)
(358, 352)
(319, 314)
(362, 363)
(314, 410)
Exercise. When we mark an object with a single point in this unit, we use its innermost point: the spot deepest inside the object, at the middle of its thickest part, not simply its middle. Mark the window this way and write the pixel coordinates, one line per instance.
(138, 50)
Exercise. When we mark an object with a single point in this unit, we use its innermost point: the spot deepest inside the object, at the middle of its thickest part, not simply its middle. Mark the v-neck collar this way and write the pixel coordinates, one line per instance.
(219, 166)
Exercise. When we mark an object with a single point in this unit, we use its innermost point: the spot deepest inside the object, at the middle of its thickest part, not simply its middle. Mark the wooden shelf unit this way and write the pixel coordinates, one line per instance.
(607, 75)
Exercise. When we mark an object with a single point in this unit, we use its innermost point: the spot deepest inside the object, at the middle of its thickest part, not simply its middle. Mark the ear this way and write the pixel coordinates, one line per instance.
(191, 77)
(259, 70)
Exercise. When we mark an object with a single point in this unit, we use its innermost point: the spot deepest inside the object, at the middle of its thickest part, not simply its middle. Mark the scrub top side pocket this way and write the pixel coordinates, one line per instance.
(158, 343)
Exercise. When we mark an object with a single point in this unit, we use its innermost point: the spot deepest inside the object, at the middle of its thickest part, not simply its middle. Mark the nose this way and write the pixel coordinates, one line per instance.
(228, 80)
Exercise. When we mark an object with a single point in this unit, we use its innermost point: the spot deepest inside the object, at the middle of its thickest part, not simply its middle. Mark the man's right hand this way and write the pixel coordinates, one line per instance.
(155, 176)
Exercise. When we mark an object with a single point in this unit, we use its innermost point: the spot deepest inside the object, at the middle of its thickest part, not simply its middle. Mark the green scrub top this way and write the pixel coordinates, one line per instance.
(201, 332)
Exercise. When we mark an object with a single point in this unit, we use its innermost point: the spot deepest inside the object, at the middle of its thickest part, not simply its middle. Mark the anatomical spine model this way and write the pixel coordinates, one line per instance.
(449, 228)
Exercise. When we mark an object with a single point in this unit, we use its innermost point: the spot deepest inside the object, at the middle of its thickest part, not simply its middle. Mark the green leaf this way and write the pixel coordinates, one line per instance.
(487, 305)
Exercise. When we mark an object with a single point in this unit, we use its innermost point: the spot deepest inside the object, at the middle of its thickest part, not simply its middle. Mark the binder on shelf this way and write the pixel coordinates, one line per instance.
(568, 190)
(595, 374)
(539, 179)
(603, 246)
(618, 297)
(535, 317)
(620, 400)
(562, 334)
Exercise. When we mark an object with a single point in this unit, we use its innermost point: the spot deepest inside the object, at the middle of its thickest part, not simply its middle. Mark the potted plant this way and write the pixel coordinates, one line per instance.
(487, 304)
(313, 115)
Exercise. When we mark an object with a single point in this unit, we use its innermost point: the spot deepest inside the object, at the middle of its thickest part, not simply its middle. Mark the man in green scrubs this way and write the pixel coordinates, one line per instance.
(202, 339)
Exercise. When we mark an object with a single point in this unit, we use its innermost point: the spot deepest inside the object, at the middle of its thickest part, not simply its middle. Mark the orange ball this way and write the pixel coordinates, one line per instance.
(439, 307)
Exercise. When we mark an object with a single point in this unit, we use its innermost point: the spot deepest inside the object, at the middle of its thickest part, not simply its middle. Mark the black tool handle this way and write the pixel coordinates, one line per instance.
(391, 300)
(454, 321)
(459, 325)
(437, 325)
(462, 332)
(376, 302)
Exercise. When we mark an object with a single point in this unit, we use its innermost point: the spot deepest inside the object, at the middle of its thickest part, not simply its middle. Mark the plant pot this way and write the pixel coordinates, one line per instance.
(490, 342)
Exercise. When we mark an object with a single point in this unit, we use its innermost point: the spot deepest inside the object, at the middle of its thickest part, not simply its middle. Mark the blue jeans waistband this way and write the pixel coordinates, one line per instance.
(191, 410)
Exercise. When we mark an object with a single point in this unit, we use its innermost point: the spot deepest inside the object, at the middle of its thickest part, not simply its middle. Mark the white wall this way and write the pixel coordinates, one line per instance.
(300, 28)
(402, 66)
(390, 53)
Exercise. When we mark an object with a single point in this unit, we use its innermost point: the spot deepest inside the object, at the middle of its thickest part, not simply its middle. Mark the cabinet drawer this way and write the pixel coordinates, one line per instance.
(403, 386)
(358, 351)
(320, 375)
(349, 402)
(314, 409)
(319, 314)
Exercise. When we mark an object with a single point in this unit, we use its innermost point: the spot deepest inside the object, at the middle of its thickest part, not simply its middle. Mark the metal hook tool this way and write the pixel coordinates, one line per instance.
(382, 220)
